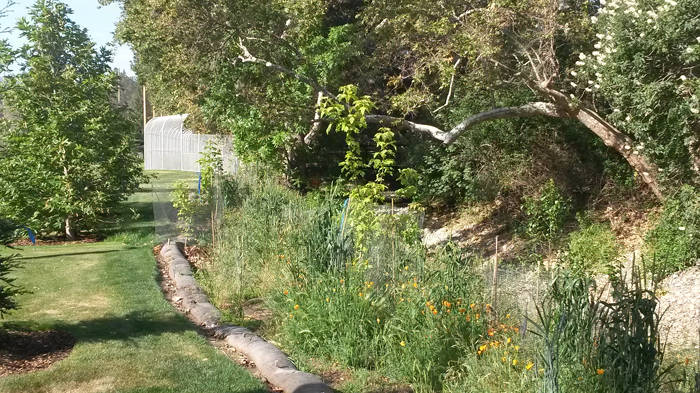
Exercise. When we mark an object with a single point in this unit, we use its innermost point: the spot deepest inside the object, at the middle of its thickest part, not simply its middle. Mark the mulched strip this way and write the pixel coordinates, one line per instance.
(23, 352)
(55, 241)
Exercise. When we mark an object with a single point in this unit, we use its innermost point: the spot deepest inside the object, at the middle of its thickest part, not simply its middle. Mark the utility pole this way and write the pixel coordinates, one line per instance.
(144, 108)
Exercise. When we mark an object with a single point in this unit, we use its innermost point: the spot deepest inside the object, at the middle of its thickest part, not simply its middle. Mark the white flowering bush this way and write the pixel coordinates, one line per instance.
(642, 74)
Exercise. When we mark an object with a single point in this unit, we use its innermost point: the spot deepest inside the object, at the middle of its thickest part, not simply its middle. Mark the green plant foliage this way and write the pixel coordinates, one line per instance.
(347, 114)
(546, 215)
(629, 347)
(409, 179)
(197, 212)
(68, 156)
(8, 262)
(602, 345)
(674, 242)
(593, 249)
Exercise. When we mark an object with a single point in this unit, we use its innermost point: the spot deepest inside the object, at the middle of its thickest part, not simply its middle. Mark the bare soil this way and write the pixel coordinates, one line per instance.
(23, 352)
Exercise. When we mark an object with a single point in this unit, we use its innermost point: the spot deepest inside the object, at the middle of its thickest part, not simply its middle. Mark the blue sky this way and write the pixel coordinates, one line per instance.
(100, 21)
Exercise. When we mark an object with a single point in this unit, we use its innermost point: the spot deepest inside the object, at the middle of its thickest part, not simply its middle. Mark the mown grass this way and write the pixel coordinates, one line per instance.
(129, 339)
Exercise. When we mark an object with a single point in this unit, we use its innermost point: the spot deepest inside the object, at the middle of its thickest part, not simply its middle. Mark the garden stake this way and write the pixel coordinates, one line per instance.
(495, 278)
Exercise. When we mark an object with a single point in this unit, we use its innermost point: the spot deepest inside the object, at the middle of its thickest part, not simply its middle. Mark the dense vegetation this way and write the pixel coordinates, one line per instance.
(548, 113)
(619, 74)
(358, 288)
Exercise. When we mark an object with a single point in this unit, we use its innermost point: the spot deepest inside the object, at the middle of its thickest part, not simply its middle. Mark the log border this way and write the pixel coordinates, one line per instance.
(273, 364)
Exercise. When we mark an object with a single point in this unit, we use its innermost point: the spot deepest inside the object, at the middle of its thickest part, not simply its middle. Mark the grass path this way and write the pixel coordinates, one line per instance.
(129, 339)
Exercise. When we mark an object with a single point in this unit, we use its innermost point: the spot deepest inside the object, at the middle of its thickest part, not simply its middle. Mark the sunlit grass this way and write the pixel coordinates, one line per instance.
(129, 339)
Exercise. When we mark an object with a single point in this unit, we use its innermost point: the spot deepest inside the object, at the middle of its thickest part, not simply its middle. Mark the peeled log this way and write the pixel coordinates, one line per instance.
(272, 363)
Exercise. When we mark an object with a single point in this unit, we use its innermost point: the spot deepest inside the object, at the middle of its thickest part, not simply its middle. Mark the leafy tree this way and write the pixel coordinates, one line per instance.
(261, 69)
(194, 56)
(68, 159)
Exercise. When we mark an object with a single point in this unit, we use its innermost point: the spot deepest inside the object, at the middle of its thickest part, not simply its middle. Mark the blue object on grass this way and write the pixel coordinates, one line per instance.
(199, 184)
(32, 236)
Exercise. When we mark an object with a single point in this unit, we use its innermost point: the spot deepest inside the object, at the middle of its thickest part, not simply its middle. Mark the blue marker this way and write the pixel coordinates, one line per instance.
(32, 236)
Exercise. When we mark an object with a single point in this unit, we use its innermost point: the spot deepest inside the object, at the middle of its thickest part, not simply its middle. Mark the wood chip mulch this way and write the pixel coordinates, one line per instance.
(55, 241)
(23, 352)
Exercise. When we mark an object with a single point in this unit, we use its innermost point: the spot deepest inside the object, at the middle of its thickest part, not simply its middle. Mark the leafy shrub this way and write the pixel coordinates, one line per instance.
(8, 289)
(675, 240)
(592, 249)
(546, 214)
(199, 212)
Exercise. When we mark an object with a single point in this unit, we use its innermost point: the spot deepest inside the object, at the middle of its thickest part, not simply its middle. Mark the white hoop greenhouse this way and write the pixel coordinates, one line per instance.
(168, 145)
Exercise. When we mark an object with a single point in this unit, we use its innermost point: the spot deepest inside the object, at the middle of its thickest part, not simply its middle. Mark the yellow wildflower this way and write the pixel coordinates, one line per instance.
(402, 343)
(515, 362)
(529, 365)
(296, 306)
(600, 371)
(286, 292)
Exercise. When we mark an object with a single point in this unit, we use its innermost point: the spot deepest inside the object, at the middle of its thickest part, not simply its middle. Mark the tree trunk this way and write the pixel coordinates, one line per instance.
(71, 230)
(624, 145)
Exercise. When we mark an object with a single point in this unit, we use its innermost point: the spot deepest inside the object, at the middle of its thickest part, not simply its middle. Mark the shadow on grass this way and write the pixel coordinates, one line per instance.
(125, 327)
(67, 254)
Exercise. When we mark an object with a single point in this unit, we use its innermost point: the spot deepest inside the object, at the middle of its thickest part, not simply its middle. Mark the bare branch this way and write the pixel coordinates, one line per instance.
(452, 83)
(247, 57)
(448, 137)
(316, 125)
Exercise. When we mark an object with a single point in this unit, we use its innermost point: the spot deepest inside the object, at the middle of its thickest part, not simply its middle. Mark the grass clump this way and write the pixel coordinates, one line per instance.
(593, 249)
(357, 286)
(675, 240)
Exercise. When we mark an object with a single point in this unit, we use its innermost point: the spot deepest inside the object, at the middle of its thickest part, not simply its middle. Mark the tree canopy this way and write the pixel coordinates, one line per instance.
(625, 71)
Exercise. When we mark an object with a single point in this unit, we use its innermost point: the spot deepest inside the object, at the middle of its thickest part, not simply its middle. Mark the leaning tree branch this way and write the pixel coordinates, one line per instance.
(247, 57)
(448, 137)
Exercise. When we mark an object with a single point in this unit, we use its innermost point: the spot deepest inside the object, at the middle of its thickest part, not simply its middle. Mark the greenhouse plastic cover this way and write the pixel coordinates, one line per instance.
(168, 145)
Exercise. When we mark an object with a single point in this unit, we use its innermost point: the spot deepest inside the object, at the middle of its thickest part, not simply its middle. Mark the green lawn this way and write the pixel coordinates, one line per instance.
(129, 339)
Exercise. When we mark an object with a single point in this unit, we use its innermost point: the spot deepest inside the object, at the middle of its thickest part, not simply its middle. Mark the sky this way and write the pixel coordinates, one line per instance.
(100, 22)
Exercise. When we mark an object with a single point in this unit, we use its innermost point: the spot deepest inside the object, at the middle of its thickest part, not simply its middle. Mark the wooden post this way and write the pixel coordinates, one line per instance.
(393, 242)
(144, 107)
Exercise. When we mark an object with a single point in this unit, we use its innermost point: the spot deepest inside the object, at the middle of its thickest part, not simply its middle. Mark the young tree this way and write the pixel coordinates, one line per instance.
(69, 158)
(8, 262)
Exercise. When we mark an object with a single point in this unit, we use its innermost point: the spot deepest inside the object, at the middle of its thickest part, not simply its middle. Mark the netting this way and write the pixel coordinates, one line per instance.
(168, 145)
(175, 152)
